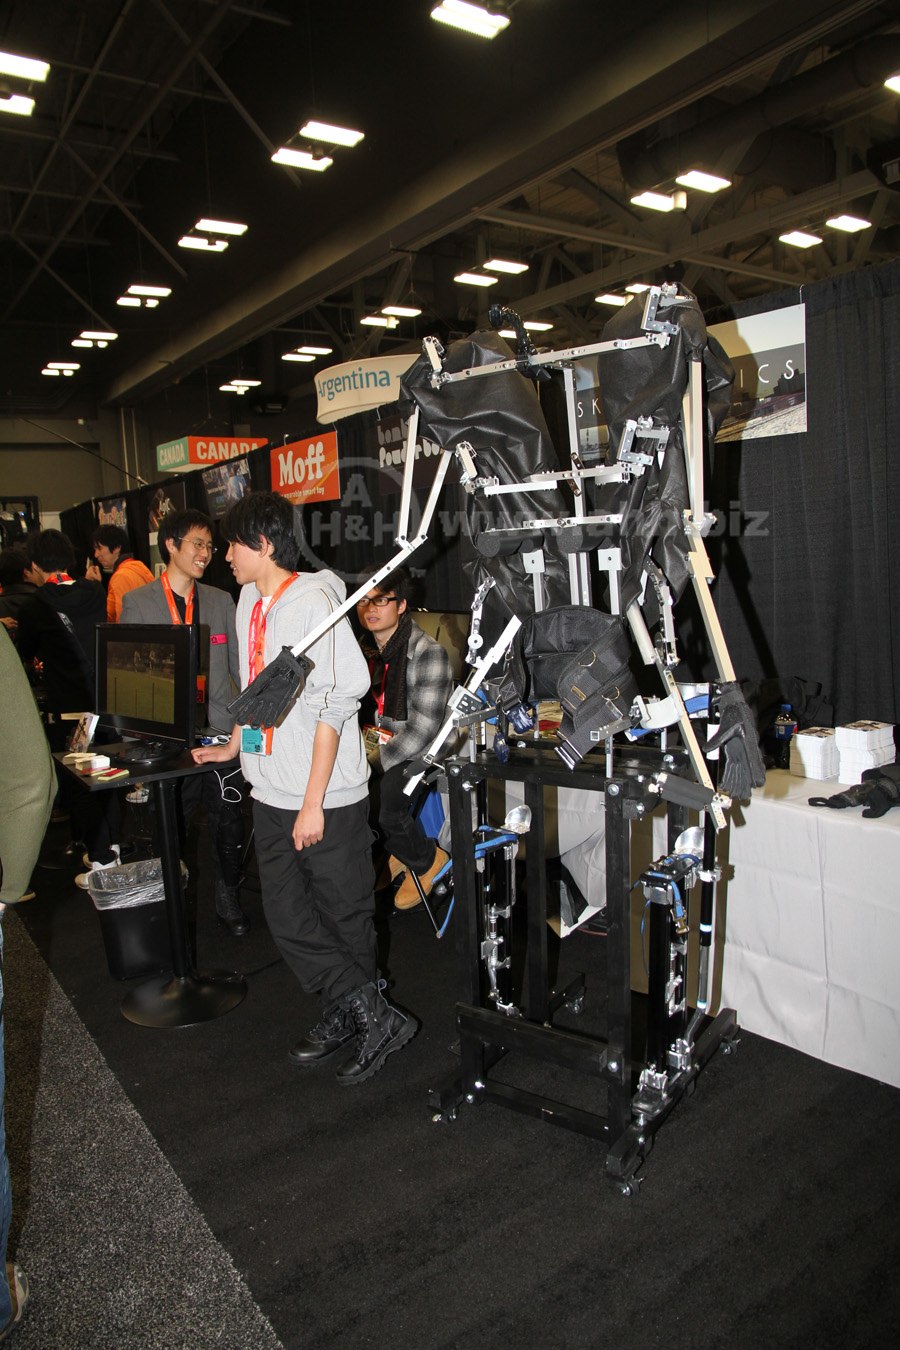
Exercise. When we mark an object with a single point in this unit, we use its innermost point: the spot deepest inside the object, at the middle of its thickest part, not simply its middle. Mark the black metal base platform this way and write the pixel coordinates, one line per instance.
(183, 1000)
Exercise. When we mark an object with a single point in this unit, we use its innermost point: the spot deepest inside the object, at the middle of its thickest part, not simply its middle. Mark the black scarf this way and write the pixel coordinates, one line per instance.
(388, 666)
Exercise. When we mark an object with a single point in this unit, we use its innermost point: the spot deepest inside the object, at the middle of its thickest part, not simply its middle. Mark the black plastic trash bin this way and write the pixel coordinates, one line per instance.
(130, 903)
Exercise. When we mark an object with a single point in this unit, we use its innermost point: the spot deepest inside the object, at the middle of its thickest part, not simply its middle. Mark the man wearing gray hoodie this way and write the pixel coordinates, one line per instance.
(308, 778)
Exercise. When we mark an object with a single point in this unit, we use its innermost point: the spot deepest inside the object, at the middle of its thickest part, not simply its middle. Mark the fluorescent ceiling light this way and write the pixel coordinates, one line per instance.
(245, 384)
(131, 301)
(474, 279)
(208, 226)
(297, 356)
(99, 335)
(48, 371)
(849, 224)
(538, 325)
(315, 351)
(379, 321)
(800, 239)
(301, 159)
(661, 201)
(139, 289)
(83, 342)
(893, 83)
(63, 365)
(24, 66)
(507, 332)
(18, 104)
(401, 311)
(638, 287)
(506, 265)
(703, 182)
(609, 299)
(334, 135)
(231, 389)
(470, 18)
(203, 245)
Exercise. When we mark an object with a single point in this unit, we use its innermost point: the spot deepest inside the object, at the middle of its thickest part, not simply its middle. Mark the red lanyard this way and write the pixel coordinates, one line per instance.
(258, 628)
(173, 608)
(58, 577)
(379, 697)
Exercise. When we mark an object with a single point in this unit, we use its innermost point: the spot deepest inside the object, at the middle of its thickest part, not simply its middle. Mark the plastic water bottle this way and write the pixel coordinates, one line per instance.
(785, 726)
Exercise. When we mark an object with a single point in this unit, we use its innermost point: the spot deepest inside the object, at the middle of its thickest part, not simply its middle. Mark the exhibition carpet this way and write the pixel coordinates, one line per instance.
(190, 1188)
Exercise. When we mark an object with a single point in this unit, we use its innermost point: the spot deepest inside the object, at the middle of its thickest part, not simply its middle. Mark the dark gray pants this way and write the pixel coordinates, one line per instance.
(319, 903)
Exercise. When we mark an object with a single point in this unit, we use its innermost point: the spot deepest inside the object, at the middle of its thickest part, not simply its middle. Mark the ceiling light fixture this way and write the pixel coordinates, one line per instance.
(702, 181)
(298, 356)
(82, 342)
(849, 224)
(48, 371)
(99, 335)
(661, 201)
(469, 18)
(638, 287)
(609, 299)
(538, 325)
(380, 321)
(130, 301)
(209, 226)
(301, 159)
(507, 333)
(139, 289)
(232, 389)
(401, 311)
(331, 134)
(240, 383)
(61, 368)
(25, 67)
(506, 265)
(893, 83)
(800, 239)
(306, 350)
(474, 279)
(18, 104)
(202, 245)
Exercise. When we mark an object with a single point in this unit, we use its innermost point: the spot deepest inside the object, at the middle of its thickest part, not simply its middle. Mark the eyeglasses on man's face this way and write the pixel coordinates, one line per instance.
(199, 545)
(379, 601)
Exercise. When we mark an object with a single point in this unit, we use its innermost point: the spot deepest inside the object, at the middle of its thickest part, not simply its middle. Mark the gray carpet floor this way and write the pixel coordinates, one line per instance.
(115, 1250)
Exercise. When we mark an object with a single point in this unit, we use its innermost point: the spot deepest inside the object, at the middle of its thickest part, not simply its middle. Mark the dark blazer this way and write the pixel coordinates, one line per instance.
(147, 604)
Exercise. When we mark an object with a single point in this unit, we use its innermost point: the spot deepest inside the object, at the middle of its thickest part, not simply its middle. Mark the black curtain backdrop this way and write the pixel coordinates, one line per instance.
(808, 570)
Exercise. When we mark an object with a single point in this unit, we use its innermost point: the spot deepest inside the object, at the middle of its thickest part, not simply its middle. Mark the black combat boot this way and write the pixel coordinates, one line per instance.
(380, 1029)
(228, 908)
(333, 1029)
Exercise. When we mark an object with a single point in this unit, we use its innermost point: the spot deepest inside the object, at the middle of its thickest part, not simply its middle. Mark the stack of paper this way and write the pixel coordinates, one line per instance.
(814, 753)
(861, 746)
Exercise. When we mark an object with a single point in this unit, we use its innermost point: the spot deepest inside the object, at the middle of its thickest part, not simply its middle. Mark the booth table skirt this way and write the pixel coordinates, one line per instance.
(812, 949)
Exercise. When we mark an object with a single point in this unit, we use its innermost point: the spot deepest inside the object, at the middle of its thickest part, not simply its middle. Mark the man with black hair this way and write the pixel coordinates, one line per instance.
(178, 597)
(17, 584)
(112, 552)
(308, 778)
(411, 683)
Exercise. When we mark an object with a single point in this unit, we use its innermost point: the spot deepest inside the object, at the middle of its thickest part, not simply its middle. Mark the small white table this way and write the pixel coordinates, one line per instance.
(812, 923)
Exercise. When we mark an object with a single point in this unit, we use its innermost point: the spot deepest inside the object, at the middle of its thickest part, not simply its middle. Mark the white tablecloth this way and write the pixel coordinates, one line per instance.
(812, 950)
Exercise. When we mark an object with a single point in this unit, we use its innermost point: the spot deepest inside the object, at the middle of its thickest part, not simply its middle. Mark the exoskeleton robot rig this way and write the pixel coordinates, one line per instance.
(542, 536)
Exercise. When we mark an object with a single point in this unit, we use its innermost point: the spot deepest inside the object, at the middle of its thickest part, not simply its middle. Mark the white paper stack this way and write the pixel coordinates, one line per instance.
(814, 753)
(863, 745)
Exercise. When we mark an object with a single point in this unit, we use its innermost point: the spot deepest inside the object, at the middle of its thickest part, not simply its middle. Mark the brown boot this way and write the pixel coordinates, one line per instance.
(408, 895)
(391, 869)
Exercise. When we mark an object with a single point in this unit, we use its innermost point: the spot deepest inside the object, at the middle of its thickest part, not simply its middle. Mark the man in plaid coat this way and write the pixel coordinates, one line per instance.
(411, 683)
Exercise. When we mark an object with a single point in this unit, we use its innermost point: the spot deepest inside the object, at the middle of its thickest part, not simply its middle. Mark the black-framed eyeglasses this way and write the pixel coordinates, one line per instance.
(199, 546)
(379, 601)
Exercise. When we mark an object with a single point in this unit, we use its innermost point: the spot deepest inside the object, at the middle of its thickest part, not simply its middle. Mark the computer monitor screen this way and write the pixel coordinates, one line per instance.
(147, 681)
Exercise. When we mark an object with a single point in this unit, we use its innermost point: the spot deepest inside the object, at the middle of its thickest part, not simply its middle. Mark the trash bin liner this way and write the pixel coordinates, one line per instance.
(130, 904)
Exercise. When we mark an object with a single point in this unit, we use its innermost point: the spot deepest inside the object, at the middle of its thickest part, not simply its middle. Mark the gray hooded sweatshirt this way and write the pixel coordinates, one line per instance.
(332, 693)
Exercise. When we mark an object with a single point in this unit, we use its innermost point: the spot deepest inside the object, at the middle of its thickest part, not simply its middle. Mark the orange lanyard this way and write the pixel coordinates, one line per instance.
(58, 578)
(173, 608)
(258, 627)
(379, 697)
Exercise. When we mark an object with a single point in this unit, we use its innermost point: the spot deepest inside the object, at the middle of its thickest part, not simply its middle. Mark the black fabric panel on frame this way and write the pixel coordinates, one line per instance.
(808, 566)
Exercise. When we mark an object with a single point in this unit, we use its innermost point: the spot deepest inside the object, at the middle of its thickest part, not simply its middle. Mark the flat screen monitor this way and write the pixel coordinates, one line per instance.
(147, 682)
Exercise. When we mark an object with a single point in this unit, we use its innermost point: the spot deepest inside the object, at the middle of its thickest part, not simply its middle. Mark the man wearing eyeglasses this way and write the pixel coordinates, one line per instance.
(411, 683)
(178, 596)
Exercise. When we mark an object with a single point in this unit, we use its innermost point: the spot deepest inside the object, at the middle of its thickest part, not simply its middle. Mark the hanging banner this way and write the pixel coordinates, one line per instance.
(768, 352)
(113, 511)
(357, 386)
(189, 452)
(307, 471)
